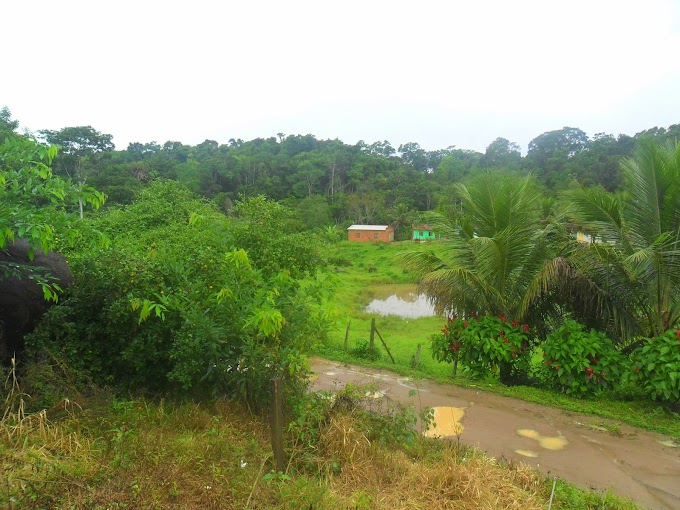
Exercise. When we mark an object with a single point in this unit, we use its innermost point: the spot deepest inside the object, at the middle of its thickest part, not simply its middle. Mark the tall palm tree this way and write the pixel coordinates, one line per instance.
(632, 274)
(491, 253)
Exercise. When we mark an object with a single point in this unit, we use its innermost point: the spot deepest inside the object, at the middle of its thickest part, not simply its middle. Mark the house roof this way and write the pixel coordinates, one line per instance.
(368, 227)
(422, 227)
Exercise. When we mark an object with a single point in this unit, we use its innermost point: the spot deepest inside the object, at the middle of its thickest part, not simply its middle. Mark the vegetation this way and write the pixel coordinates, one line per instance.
(102, 452)
(217, 272)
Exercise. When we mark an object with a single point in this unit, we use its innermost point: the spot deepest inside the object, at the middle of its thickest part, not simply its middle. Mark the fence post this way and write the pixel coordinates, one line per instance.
(277, 423)
(371, 343)
(349, 321)
(385, 345)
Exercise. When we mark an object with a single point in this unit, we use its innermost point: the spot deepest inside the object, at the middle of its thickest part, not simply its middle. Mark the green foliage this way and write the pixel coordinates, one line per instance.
(656, 367)
(491, 253)
(34, 204)
(177, 302)
(363, 350)
(629, 284)
(579, 362)
(484, 345)
(270, 234)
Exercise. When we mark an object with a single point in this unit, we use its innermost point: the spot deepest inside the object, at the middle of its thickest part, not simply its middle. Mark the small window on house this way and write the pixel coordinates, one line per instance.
(375, 236)
(357, 235)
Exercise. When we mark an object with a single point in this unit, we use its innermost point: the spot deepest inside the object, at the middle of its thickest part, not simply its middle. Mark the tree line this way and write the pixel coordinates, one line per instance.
(331, 182)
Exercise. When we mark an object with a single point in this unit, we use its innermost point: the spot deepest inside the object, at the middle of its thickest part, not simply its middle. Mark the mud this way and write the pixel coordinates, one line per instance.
(640, 465)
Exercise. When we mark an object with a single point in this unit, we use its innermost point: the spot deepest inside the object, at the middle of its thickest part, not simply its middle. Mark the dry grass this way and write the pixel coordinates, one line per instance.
(385, 478)
(108, 454)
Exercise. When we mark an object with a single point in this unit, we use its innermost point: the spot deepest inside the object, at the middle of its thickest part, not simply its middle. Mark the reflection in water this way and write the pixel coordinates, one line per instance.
(447, 420)
(401, 300)
(547, 442)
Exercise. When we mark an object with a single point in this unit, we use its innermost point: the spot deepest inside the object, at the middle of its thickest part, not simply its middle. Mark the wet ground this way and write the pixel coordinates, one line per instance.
(633, 463)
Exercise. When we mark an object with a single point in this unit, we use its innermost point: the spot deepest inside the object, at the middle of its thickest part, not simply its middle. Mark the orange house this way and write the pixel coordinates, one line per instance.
(370, 233)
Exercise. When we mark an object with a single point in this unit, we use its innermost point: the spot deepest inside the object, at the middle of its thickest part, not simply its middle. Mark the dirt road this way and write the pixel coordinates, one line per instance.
(633, 463)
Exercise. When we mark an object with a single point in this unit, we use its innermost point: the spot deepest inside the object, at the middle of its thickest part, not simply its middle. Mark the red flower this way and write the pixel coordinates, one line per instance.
(525, 327)
(502, 332)
(514, 354)
(636, 370)
(547, 362)
(677, 333)
(515, 324)
(502, 317)
(505, 340)
(445, 330)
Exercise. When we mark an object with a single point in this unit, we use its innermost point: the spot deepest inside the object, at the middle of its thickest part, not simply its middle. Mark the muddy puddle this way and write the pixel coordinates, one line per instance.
(546, 442)
(446, 421)
(400, 300)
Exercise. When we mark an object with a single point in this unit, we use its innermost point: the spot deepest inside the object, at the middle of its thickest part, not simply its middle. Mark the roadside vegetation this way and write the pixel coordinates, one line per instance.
(146, 384)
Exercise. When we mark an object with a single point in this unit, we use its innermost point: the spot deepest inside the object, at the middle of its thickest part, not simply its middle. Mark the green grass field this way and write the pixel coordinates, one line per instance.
(361, 271)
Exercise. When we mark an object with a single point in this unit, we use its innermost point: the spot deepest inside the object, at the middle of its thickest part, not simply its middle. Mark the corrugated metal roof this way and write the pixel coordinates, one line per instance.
(368, 227)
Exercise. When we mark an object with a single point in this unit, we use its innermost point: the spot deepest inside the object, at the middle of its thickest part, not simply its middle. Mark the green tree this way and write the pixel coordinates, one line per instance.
(8, 125)
(629, 281)
(33, 202)
(502, 153)
(81, 151)
(491, 251)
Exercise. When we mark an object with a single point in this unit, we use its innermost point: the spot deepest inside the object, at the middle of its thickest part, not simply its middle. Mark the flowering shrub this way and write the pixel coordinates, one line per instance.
(484, 345)
(581, 362)
(656, 367)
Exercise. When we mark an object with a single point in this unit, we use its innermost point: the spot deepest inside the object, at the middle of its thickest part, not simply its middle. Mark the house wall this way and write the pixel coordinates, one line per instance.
(423, 235)
(369, 236)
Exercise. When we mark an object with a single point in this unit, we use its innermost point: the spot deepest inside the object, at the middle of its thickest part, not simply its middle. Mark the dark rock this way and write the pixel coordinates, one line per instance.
(22, 302)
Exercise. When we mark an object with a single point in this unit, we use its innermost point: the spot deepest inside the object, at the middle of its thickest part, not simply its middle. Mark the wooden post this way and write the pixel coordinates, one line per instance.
(416, 362)
(371, 343)
(277, 423)
(347, 335)
(384, 345)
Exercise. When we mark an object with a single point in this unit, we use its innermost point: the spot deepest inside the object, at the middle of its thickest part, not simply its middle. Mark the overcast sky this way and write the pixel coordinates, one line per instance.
(438, 73)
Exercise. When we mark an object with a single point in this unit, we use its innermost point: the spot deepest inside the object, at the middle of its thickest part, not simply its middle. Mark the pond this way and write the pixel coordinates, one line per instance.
(401, 300)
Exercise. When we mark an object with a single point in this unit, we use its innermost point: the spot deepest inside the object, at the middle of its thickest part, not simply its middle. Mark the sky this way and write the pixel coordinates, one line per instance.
(440, 73)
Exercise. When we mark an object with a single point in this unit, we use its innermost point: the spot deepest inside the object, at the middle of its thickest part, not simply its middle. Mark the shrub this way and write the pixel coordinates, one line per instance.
(484, 345)
(176, 303)
(656, 367)
(580, 362)
(363, 350)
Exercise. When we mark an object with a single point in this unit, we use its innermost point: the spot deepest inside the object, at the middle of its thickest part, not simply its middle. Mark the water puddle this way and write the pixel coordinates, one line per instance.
(670, 443)
(527, 453)
(401, 300)
(547, 442)
(447, 420)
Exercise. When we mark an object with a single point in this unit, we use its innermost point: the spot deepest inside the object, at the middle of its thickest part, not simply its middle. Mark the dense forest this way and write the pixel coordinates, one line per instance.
(328, 181)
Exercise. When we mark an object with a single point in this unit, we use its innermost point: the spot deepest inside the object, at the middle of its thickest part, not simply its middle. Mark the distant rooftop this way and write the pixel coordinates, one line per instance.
(368, 227)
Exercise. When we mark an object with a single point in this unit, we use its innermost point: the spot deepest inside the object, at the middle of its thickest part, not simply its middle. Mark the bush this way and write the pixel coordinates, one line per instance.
(581, 362)
(485, 345)
(656, 367)
(363, 350)
(176, 303)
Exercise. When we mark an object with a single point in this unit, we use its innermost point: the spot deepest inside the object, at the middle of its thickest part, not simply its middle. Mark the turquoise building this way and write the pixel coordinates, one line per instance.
(423, 233)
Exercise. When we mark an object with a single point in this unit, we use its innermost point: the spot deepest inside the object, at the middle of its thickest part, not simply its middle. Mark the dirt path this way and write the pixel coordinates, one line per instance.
(571, 446)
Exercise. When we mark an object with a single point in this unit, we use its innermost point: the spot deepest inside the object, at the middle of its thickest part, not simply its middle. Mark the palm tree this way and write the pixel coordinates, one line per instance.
(631, 276)
(491, 254)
